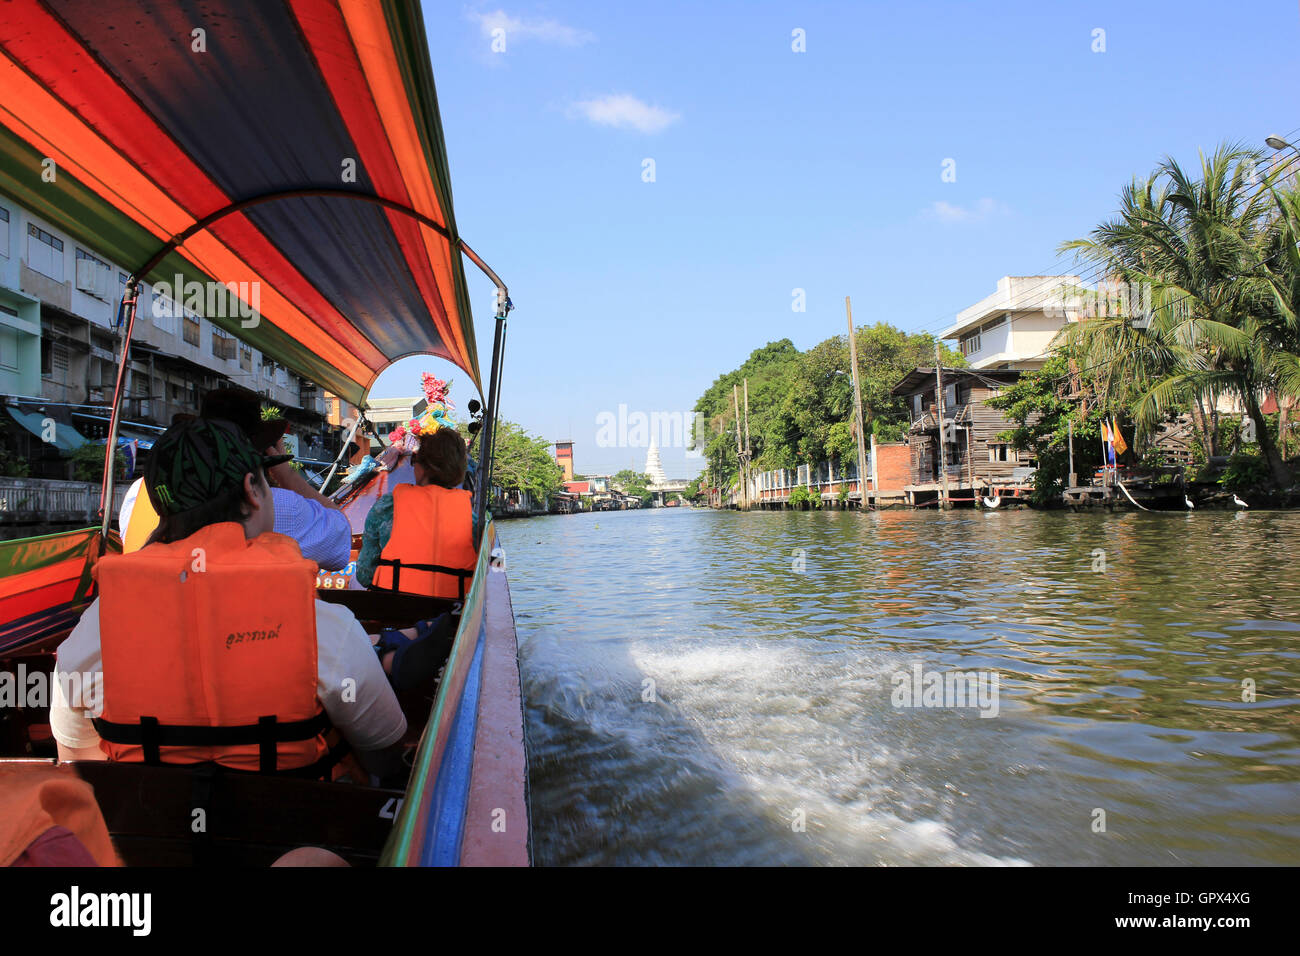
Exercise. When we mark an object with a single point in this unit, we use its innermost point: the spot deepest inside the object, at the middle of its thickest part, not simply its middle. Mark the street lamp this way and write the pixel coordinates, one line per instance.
(1277, 144)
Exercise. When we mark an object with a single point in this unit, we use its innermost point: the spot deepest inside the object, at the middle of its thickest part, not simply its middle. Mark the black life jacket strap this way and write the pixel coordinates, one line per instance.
(397, 564)
(151, 736)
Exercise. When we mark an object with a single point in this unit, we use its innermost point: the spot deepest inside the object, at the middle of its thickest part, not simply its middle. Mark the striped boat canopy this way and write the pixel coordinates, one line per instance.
(46, 584)
(132, 123)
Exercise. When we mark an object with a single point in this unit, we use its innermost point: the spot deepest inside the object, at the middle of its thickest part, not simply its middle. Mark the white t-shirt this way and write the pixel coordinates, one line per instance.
(324, 535)
(371, 719)
(128, 505)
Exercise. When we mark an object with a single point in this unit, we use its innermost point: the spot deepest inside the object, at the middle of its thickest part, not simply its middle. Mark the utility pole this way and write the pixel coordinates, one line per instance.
(740, 448)
(857, 404)
(1072, 482)
(749, 452)
(943, 458)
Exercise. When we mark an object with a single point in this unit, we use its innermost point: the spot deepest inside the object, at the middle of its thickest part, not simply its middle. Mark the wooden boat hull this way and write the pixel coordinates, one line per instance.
(467, 800)
(465, 803)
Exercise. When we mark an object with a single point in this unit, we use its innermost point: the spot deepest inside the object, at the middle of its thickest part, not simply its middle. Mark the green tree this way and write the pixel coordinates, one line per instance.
(88, 463)
(801, 496)
(1039, 403)
(801, 403)
(633, 483)
(1216, 250)
(523, 462)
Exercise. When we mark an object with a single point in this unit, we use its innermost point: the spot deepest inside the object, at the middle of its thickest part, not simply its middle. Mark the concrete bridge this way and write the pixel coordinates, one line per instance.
(662, 489)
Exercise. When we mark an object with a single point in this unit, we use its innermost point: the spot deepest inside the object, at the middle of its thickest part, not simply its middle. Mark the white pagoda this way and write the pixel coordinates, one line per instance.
(653, 466)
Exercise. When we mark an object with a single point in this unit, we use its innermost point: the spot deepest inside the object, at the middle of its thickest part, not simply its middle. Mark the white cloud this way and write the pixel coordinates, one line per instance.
(982, 209)
(623, 111)
(517, 28)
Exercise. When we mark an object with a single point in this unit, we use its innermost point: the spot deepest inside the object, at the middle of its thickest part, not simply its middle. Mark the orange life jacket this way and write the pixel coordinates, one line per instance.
(431, 547)
(209, 653)
(142, 524)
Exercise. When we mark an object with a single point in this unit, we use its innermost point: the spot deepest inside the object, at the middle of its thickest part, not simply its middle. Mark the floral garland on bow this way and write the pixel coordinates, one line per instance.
(435, 415)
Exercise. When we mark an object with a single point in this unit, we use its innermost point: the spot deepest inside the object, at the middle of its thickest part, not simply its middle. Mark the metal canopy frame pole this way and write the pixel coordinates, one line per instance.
(488, 442)
(342, 451)
(110, 446)
(333, 192)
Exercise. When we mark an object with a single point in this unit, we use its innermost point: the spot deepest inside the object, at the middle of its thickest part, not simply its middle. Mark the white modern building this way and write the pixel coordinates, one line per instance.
(1014, 327)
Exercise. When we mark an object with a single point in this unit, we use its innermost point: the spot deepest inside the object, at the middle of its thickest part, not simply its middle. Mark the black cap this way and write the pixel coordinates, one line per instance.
(198, 461)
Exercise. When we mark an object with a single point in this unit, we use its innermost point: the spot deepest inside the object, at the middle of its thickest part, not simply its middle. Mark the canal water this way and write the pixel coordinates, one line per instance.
(723, 688)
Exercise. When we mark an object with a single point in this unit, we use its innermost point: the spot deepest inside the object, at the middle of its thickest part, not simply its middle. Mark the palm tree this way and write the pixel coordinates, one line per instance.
(1213, 251)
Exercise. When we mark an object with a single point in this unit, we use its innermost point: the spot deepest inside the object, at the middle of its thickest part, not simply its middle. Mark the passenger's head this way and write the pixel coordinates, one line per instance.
(205, 471)
(244, 408)
(441, 459)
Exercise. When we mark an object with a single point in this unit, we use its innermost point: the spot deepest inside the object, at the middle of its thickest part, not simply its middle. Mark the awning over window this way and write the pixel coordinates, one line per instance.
(63, 437)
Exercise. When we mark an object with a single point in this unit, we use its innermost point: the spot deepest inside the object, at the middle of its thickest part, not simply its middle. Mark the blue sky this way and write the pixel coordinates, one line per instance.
(822, 170)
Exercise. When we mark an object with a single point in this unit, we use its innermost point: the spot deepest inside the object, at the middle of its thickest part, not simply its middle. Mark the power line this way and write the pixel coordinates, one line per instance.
(1048, 280)
(1101, 269)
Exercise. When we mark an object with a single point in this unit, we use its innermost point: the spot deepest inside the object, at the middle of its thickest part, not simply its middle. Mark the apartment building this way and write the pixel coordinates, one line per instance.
(1014, 327)
(58, 304)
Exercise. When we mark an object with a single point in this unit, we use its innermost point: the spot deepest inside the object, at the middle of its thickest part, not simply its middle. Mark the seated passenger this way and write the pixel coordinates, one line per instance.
(419, 538)
(210, 639)
(301, 512)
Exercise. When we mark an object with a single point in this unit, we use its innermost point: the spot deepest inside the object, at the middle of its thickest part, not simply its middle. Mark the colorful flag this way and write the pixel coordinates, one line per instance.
(132, 449)
(1117, 438)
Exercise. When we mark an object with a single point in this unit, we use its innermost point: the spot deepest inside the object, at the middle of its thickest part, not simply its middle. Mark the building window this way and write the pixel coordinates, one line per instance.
(970, 344)
(4, 232)
(54, 358)
(165, 312)
(190, 330)
(245, 357)
(94, 275)
(8, 348)
(1003, 452)
(44, 253)
(223, 345)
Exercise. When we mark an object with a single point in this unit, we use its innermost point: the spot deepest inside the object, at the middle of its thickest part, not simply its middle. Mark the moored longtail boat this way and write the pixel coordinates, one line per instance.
(288, 153)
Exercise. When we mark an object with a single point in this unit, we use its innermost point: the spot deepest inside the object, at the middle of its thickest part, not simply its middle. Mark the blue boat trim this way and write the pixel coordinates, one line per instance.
(450, 799)
(41, 624)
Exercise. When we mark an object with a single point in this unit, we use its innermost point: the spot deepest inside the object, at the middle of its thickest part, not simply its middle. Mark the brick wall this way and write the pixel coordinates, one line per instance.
(893, 467)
